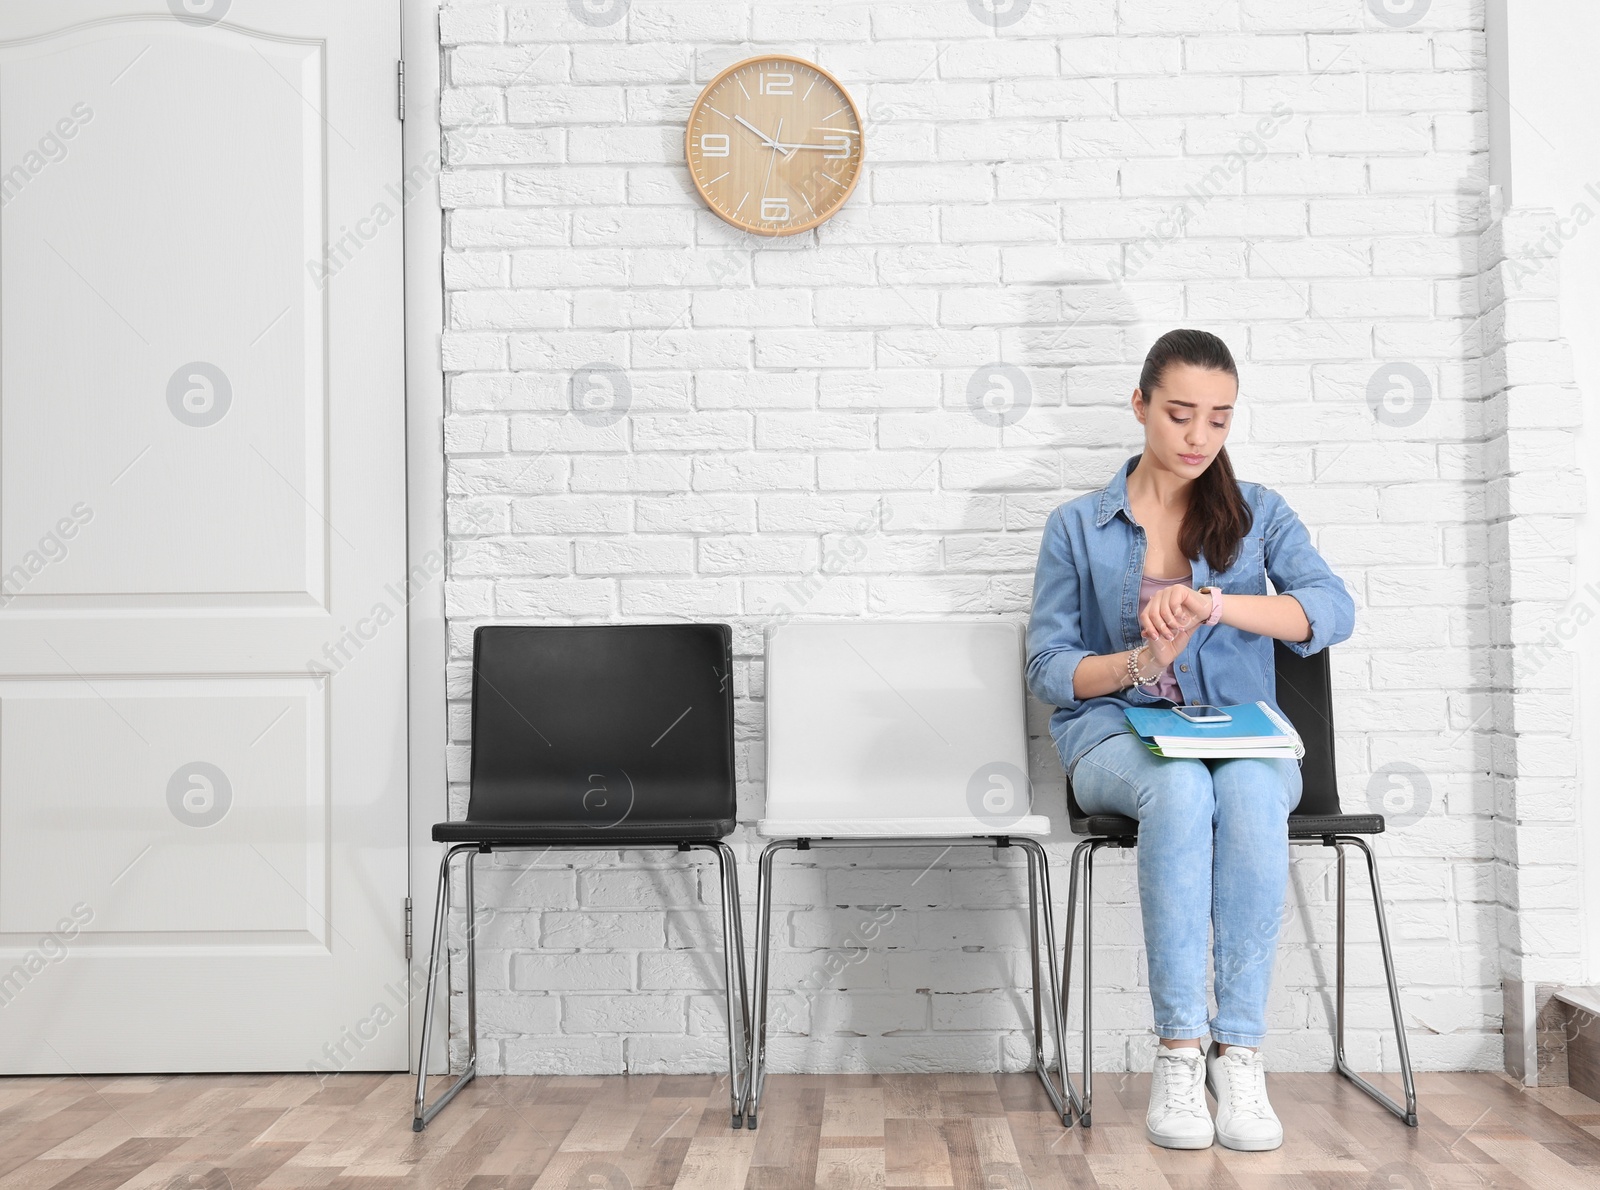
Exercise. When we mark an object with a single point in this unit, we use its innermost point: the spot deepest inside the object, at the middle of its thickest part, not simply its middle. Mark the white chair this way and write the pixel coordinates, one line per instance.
(901, 733)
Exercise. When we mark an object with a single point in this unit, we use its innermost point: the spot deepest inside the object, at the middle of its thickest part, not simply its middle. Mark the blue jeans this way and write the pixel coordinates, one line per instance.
(1213, 858)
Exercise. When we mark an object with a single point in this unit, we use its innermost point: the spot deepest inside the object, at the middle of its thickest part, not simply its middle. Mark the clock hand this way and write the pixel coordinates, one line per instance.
(765, 139)
(789, 151)
(773, 160)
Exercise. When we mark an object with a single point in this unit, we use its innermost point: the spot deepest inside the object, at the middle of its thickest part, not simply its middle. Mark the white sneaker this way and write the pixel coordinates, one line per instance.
(1178, 1118)
(1238, 1080)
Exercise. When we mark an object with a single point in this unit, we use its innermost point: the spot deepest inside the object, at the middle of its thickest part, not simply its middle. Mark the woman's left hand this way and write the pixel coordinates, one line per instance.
(1173, 609)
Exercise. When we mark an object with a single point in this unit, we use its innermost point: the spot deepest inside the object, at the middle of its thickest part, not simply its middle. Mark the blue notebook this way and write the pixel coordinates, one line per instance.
(1254, 730)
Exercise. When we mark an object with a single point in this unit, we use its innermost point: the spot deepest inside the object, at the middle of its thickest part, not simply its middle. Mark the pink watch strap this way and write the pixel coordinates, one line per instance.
(1216, 605)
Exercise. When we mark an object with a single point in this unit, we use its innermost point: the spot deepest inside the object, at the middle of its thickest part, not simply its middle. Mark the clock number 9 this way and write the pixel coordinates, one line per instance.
(775, 210)
(777, 83)
(714, 144)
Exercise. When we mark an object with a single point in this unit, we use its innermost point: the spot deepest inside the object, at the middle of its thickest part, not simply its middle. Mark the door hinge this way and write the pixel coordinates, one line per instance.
(408, 929)
(401, 73)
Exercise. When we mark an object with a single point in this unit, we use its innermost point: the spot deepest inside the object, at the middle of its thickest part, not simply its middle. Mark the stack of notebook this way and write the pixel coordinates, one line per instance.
(1254, 729)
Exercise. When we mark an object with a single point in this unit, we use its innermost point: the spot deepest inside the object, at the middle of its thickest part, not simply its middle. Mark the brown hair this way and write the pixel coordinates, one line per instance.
(1217, 517)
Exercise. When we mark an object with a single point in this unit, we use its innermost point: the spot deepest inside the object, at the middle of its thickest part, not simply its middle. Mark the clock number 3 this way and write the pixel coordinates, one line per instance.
(837, 144)
(777, 83)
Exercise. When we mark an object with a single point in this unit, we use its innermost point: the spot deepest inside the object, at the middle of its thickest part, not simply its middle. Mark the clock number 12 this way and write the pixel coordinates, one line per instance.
(777, 83)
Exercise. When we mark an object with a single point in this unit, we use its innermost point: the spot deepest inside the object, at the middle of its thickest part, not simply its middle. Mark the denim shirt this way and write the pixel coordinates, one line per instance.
(1086, 597)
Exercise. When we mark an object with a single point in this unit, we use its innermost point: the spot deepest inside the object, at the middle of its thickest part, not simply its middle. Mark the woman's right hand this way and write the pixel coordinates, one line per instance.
(1164, 651)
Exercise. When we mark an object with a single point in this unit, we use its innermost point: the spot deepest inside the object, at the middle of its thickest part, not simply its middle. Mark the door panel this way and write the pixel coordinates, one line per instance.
(202, 536)
(171, 238)
(253, 857)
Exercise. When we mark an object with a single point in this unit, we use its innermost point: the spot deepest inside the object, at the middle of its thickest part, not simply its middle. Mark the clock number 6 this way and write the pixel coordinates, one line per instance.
(777, 83)
(775, 210)
(714, 144)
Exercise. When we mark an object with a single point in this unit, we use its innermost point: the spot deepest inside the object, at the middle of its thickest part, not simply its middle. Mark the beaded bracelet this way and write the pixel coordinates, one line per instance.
(1133, 669)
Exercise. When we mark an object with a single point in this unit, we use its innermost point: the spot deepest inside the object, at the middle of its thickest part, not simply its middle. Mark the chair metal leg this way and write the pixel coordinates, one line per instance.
(422, 1113)
(1033, 953)
(1038, 890)
(1083, 855)
(1079, 1103)
(1088, 986)
(1408, 1113)
(734, 972)
(1338, 964)
(758, 1040)
(733, 969)
(736, 905)
(1039, 883)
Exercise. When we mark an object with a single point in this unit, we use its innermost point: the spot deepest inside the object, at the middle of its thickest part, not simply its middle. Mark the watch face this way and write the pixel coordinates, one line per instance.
(774, 145)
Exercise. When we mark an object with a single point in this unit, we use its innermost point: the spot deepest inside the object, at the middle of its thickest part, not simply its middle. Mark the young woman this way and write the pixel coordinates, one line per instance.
(1153, 590)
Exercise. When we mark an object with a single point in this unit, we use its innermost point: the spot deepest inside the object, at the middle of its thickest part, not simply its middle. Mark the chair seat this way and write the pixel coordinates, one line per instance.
(1104, 824)
(1301, 826)
(959, 827)
(543, 834)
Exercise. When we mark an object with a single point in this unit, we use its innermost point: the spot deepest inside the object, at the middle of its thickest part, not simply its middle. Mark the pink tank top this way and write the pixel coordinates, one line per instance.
(1165, 686)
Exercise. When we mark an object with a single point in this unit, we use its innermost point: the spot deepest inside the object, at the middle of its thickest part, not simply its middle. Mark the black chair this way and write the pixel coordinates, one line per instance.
(1305, 694)
(597, 737)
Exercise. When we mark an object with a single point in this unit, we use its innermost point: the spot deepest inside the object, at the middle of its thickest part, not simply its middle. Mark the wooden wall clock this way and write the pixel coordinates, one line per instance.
(774, 145)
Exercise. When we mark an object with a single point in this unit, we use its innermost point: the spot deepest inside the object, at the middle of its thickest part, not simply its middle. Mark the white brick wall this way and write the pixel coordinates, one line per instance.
(1533, 496)
(1294, 175)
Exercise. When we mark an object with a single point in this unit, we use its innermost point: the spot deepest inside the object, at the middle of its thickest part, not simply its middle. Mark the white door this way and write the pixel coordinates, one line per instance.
(202, 537)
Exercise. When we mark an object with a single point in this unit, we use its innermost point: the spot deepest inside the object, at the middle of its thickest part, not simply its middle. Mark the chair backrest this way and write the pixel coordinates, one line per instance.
(594, 724)
(908, 719)
(1305, 695)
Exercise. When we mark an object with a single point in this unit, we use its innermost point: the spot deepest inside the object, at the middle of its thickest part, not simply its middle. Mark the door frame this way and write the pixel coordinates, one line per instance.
(428, 654)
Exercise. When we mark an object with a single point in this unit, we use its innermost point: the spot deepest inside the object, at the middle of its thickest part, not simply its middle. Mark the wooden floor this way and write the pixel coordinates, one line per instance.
(968, 1132)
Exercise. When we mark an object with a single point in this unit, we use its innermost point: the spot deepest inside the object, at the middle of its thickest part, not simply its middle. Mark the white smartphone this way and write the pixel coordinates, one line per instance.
(1203, 713)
